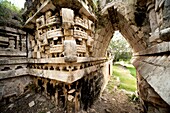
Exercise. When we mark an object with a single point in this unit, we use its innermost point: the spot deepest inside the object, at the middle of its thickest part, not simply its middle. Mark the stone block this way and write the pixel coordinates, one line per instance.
(167, 61)
(67, 18)
(48, 14)
(81, 22)
(53, 20)
(163, 47)
(81, 48)
(165, 34)
(4, 39)
(1, 91)
(57, 49)
(40, 21)
(90, 41)
(31, 104)
(41, 35)
(160, 84)
(135, 28)
(3, 44)
(79, 32)
(34, 54)
(91, 26)
(70, 51)
(154, 36)
(38, 54)
(54, 33)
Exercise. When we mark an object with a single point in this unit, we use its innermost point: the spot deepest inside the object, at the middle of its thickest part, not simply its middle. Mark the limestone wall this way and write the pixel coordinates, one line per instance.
(65, 48)
(61, 52)
(12, 88)
(13, 64)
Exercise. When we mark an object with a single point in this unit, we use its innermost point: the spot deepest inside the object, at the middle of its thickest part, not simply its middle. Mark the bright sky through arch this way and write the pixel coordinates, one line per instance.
(18, 3)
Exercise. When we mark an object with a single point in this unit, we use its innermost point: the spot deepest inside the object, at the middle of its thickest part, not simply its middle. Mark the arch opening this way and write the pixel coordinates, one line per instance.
(146, 52)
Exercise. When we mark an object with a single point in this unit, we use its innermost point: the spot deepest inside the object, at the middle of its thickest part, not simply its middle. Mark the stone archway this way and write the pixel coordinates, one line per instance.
(137, 22)
(119, 16)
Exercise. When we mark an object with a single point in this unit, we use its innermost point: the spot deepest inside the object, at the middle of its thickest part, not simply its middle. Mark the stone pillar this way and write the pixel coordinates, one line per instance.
(70, 50)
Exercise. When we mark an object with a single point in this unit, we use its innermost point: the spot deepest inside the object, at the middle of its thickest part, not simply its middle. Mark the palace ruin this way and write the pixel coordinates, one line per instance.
(62, 50)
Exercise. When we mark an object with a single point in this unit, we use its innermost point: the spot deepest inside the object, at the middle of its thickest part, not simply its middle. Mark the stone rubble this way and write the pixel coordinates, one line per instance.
(31, 104)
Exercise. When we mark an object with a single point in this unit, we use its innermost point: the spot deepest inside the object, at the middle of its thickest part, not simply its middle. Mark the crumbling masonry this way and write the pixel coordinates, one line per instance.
(62, 50)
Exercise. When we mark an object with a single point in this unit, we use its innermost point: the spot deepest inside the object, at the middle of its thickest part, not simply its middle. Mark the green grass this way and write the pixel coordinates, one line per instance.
(129, 66)
(127, 81)
(132, 71)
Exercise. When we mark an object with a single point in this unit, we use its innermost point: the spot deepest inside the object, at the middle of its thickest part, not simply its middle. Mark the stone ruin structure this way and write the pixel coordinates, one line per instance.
(61, 50)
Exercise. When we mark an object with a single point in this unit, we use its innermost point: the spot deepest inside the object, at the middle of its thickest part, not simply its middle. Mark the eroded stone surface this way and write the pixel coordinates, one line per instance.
(65, 43)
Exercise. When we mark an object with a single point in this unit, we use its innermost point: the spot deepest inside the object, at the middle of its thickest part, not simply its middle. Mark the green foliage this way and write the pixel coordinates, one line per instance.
(127, 81)
(7, 4)
(129, 66)
(120, 48)
(10, 15)
(132, 71)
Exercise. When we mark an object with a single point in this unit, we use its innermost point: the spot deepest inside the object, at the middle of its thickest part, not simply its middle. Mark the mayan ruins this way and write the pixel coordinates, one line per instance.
(60, 50)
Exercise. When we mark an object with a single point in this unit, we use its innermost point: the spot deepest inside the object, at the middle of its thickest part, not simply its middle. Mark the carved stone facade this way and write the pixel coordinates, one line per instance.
(63, 50)
(13, 64)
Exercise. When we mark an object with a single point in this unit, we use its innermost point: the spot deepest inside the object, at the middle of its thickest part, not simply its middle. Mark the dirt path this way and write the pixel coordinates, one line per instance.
(116, 102)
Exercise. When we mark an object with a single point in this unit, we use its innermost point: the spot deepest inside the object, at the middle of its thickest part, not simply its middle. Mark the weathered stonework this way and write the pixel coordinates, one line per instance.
(61, 54)
(12, 88)
(63, 50)
(146, 32)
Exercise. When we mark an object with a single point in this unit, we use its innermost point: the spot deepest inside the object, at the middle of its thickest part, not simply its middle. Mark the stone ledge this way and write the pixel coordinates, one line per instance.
(60, 60)
(160, 61)
(162, 35)
(165, 34)
(159, 48)
(65, 76)
(13, 30)
(14, 61)
(13, 73)
(68, 77)
(12, 53)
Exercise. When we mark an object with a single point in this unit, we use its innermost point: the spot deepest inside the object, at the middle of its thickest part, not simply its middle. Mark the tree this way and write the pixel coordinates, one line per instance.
(8, 5)
(120, 48)
(10, 15)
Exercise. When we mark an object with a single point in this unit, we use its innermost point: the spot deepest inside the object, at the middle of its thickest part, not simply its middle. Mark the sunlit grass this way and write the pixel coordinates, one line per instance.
(128, 66)
(127, 81)
(132, 70)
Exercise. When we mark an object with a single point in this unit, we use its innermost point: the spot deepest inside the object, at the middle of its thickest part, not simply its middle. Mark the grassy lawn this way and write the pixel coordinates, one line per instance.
(132, 71)
(128, 66)
(126, 75)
